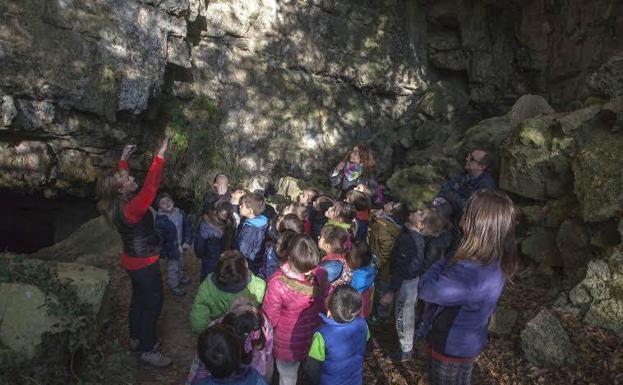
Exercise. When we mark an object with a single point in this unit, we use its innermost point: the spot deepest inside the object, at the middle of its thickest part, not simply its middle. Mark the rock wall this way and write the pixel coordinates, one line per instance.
(263, 88)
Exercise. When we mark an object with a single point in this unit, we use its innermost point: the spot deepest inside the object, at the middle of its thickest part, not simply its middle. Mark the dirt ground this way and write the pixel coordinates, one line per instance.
(601, 353)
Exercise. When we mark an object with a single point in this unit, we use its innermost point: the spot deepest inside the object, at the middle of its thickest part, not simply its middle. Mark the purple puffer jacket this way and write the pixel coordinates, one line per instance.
(292, 303)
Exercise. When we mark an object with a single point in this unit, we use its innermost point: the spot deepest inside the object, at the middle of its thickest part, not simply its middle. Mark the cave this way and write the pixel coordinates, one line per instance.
(32, 221)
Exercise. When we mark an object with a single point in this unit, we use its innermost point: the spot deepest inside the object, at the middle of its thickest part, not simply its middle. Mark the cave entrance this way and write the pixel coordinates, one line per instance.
(29, 222)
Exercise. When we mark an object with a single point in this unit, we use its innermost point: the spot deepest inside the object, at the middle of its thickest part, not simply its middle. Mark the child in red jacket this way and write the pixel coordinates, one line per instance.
(295, 296)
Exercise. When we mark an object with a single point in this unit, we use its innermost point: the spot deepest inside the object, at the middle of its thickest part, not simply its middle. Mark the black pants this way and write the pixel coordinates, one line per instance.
(145, 305)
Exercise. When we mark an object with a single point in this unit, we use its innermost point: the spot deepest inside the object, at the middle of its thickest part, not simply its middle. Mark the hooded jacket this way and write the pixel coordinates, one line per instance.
(250, 240)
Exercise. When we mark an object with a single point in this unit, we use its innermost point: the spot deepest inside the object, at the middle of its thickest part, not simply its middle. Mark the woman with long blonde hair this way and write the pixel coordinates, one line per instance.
(462, 292)
(129, 212)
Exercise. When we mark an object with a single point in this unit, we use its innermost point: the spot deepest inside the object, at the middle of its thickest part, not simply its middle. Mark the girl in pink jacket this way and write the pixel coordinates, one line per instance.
(294, 298)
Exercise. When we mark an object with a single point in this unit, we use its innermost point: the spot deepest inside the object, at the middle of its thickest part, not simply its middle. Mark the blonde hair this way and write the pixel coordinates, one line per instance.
(110, 198)
(488, 225)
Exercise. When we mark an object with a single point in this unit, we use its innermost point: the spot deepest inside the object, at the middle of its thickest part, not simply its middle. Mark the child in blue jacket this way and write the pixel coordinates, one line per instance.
(216, 233)
(175, 230)
(340, 343)
(252, 230)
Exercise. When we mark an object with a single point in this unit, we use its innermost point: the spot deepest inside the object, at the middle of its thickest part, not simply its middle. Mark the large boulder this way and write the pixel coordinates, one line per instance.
(289, 187)
(35, 315)
(540, 245)
(503, 320)
(601, 293)
(443, 101)
(417, 185)
(545, 343)
(529, 106)
(608, 79)
(573, 241)
(597, 169)
(533, 161)
(94, 242)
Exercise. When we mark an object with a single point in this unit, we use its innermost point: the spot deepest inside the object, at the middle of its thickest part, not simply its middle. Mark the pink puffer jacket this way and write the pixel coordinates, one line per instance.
(292, 303)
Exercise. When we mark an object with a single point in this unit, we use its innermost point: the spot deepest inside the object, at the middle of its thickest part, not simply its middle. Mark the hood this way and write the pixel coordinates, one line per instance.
(259, 221)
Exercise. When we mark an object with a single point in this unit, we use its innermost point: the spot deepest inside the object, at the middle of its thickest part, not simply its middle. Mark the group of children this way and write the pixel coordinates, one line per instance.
(297, 287)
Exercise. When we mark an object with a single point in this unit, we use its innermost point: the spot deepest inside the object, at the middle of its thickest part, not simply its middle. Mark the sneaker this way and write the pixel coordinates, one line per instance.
(178, 291)
(185, 280)
(400, 356)
(155, 358)
(135, 344)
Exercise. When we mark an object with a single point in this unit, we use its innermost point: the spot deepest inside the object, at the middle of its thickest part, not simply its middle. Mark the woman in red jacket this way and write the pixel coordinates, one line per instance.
(130, 213)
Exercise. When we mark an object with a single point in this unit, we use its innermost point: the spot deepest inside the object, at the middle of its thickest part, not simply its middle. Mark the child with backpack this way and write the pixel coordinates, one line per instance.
(294, 298)
(252, 231)
(363, 274)
(331, 243)
(362, 213)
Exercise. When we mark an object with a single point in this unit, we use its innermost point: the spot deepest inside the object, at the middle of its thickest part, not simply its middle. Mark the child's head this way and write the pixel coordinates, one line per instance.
(220, 350)
(283, 243)
(322, 204)
(364, 188)
(303, 253)
(252, 205)
(332, 239)
(224, 211)
(247, 321)
(221, 183)
(290, 222)
(358, 199)
(308, 196)
(345, 304)
(300, 210)
(359, 255)
(231, 269)
(165, 202)
(397, 210)
(426, 221)
(342, 212)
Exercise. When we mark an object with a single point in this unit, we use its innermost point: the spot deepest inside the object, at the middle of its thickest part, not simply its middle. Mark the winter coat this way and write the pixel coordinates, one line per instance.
(292, 304)
(212, 301)
(209, 242)
(338, 271)
(344, 348)
(249, 376)
(363, 220)
(383, 232)
(338, 179)
(175, 229)
(461, 297)
(250, 240)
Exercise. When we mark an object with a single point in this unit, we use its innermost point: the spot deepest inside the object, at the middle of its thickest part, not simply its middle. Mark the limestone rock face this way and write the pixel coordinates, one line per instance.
(534, 163)
(545, 343)
(600, 293)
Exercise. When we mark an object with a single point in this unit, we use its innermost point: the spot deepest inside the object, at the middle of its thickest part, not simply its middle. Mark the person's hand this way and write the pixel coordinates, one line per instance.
(236, 195)
(185, 246)
(340, 166)
(387, 299)
(163, 147)
(439, 201)
(128, 149)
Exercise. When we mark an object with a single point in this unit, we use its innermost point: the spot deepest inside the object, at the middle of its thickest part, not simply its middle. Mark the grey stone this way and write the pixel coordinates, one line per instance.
(503, 320)
(608, 79)
(175, 7)
(573, 241)
(540, 245)
(289, 187)
(34, 114)
(529, 106)
(544, 342)
(8, 112)
(443, 101)
(178, 52)
(575, 119)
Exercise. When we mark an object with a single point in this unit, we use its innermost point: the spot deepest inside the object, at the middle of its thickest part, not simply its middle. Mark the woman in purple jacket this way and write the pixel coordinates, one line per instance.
(462, 292)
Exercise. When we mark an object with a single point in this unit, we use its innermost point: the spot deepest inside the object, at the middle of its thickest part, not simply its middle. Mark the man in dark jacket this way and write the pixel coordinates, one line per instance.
(458, 190)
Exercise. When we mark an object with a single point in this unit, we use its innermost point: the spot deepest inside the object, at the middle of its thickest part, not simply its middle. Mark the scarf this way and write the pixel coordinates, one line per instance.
(352, 171)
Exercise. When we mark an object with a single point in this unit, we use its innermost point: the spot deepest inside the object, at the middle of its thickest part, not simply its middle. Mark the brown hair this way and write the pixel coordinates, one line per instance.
(313, 193)
(222, 218)
(290, 222)
(323, 203)
(359, 255)
(345, 304)
(334, 236)
(367, 159)
(253, 201)
(231, 269)
(298, 209)
(303, 253)
(283, 243)
(358, 199)
(345, 211)
(432, 221)
(488, 225)
(108, 192)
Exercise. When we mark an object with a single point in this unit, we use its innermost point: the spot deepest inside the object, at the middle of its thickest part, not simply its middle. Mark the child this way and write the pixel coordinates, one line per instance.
(318, 216)
(340, 343)
(252, 231)
(231, 279)
(175, 229)
(288, 223)
(219, 193)
(296, 294)
(220, 349)
(362, 216)
(331, 242)
(215, 234)
(342, 214)
(408, 258)
(364, 273)
(307, 199)
(385, 227)
(300, 211)
(248, 321)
